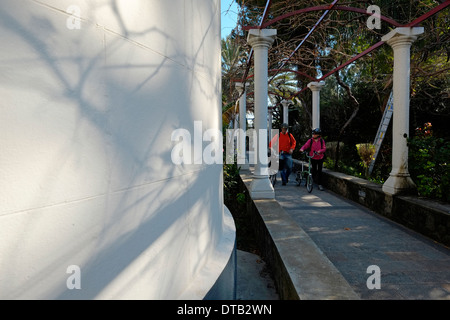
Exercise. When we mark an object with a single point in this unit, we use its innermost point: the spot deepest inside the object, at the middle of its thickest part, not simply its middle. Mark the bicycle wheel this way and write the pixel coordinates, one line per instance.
(298, 178)
(309, 183)
(273, 179)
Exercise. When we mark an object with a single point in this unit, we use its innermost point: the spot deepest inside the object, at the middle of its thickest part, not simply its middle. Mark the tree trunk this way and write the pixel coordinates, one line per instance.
(355, 103)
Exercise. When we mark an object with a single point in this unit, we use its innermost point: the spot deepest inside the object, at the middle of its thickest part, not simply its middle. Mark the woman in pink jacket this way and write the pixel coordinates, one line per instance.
(316, 146)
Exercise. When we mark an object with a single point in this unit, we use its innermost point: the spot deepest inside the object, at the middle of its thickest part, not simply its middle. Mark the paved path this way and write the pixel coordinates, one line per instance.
(253, 278)
(353, 238)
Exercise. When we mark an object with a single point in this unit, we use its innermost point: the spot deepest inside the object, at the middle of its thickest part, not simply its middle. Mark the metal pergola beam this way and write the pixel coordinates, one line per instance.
(338, 8)
(379, 44)
(279, 70)
(250, 56)
(375, 46)
(307, 36)
(429, 14)
(322, 8)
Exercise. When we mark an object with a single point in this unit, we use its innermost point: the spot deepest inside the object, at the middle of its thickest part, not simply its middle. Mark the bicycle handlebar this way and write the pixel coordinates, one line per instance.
(307, 154)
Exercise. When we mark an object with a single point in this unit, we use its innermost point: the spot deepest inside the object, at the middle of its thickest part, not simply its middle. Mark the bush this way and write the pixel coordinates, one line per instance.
(230, 181)
(331, 149)
(237, 204)
(366, 151)
(429, 159)
(351, 161)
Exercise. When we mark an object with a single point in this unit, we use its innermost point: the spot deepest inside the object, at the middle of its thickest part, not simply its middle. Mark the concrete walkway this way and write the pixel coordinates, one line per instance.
(253, 278)
(353, 238)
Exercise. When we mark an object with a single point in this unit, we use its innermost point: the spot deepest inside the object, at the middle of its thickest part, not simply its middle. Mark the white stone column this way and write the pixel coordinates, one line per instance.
(261, 40)
(400, 40)
(270, 121)
(315, 88)
(286, 104)
(242, 146)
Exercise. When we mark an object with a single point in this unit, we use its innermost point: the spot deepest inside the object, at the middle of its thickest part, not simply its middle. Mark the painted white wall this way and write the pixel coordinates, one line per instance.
(86, 177)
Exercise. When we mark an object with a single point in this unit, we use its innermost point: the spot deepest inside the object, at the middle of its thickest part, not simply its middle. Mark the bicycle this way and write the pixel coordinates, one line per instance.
(273, 179)
(273, 172)
(305, 174)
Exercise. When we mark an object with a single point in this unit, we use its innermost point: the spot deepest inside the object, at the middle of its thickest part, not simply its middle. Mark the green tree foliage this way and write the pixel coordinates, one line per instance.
(429, 163)
(233, 56)
(232, 60)
(353, 100)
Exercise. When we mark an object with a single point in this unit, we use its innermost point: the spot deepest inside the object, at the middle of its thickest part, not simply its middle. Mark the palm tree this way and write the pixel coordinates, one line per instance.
(282, 86)
(232, 59)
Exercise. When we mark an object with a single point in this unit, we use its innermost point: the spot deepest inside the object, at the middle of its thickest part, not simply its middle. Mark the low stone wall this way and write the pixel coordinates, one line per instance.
(430, 218)
(300, 269)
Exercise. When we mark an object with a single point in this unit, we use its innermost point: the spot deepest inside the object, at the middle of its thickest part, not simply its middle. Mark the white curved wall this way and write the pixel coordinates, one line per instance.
(86, 177)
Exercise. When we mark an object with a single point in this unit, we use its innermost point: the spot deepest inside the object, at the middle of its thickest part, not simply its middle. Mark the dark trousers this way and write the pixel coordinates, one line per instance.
(285, 166)
(316, 170)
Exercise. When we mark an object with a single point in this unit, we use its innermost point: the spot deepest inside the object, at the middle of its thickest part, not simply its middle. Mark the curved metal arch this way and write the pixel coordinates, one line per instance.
(320, 8)
(285, 70)
(411, 24)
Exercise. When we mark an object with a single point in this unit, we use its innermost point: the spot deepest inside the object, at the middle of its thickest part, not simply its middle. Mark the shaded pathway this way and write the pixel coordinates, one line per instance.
(354, 238)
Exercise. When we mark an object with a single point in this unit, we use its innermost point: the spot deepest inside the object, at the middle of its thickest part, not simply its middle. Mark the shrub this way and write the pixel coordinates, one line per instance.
(429, 159)
(366, 151)
(237, 204)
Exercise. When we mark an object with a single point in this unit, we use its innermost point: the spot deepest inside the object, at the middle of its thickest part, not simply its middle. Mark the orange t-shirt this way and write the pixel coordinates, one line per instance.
(286, 142)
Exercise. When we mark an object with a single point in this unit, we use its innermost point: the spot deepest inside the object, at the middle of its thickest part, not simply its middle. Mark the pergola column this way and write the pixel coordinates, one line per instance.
(400, 40)
(315, 88)
(261, 40)
(286, 104)
(270, 120)
(242, 147)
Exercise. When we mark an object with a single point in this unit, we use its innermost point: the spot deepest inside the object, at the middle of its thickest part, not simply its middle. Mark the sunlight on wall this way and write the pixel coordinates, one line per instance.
(87, 111)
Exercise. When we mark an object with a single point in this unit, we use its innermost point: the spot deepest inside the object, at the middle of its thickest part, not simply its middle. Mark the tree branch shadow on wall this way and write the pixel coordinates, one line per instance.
(127, 248)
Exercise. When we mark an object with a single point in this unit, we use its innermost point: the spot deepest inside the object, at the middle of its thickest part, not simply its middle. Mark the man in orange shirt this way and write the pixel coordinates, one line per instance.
(286, 146)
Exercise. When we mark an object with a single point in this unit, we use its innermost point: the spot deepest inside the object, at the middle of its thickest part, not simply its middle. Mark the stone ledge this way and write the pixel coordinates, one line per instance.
(300, 269)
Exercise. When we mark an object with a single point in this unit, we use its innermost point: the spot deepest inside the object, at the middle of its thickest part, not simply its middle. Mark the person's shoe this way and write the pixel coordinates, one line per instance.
(320, 187)
(283, 183)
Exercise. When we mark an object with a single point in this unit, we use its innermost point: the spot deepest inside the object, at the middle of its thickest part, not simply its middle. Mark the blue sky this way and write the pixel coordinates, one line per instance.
(229, 17)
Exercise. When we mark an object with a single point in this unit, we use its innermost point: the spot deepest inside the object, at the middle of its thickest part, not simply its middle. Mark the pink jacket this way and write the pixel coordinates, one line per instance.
(315, 146)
